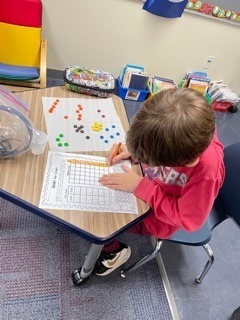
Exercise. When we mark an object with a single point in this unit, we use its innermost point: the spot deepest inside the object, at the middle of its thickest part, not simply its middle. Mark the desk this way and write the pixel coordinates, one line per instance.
(22, 178)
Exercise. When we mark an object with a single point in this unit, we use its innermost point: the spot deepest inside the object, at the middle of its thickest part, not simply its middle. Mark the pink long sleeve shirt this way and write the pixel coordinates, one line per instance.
(182, 197)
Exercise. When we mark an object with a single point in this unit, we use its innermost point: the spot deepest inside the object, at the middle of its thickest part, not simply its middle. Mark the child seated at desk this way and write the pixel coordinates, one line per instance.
(173, 135)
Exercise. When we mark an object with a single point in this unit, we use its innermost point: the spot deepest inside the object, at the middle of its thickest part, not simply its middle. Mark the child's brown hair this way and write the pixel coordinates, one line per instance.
(172, 128)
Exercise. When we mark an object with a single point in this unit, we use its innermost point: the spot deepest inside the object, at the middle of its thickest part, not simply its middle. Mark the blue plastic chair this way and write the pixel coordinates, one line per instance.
(226, 205)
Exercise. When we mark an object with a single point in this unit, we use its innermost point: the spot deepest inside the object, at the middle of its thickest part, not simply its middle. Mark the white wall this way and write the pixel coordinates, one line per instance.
(106, 34)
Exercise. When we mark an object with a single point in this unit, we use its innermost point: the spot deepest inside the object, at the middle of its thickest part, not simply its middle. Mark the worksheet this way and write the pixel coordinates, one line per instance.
(71, 183)
(78, 124)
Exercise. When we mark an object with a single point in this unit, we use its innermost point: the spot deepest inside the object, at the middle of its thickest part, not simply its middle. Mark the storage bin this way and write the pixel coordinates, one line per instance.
(131, 94)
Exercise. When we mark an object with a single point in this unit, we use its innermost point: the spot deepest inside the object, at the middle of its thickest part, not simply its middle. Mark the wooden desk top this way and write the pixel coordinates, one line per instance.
(22, 176)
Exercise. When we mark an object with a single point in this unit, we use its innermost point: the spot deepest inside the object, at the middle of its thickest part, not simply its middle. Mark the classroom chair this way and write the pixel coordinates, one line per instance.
(23, 53)
(226, 205)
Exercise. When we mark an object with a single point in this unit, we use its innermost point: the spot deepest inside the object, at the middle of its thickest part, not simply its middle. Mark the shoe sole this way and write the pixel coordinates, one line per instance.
(122, 258)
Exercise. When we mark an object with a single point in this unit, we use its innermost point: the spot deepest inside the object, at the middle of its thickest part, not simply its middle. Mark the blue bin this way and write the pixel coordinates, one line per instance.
(131, 94)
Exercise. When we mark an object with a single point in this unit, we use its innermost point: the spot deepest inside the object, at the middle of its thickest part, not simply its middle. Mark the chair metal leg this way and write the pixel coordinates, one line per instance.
(155, 252)
(82, 275)
(208, 264)
(144, 259)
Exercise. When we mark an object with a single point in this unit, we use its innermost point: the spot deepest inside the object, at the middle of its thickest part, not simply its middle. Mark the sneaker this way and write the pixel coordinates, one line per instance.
(107, 263)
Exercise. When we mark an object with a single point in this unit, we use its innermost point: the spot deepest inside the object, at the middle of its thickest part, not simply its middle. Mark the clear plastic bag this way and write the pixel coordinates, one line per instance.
(17, 132)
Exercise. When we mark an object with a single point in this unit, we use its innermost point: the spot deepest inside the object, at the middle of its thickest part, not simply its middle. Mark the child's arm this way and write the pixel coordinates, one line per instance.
(127, 181)
(188, 212)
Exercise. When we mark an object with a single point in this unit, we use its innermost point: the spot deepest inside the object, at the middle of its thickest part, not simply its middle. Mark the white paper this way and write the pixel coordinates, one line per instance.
(71, 183)
(63, 124)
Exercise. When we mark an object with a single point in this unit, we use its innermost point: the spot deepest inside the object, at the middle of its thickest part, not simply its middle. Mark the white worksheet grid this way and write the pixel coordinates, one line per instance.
(87, 195)
(86, 174)
(71, 183)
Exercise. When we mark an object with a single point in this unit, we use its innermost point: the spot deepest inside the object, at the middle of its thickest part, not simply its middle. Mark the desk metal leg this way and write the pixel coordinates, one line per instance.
(82, 275)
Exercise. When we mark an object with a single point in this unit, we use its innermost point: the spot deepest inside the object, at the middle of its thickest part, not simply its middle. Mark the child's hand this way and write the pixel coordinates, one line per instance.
(127, 181)
(122, 154)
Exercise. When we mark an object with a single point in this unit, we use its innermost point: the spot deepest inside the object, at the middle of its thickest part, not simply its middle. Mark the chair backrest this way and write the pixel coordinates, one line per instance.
(20, 32)
(204, 234)
(230, 192)
(23, 57)
(226, 205)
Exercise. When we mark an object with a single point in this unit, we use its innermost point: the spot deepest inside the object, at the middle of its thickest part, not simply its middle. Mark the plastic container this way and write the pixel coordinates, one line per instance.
(131, 94)
(221, 105)
(17, 132)
(9, 99)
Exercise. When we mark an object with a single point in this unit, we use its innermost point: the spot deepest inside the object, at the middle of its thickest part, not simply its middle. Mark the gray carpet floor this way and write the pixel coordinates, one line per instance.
(37, 259)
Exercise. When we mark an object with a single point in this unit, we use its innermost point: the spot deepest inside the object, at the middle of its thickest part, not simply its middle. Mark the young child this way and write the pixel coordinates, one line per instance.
(174, 137)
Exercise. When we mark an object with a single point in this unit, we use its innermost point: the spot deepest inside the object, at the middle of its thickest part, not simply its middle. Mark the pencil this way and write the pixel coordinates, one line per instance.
(116, 152)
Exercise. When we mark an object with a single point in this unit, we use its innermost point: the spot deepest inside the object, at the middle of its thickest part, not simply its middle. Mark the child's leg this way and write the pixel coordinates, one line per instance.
(140, 228)
(116, 253)
(114, 245)
(111, 246)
